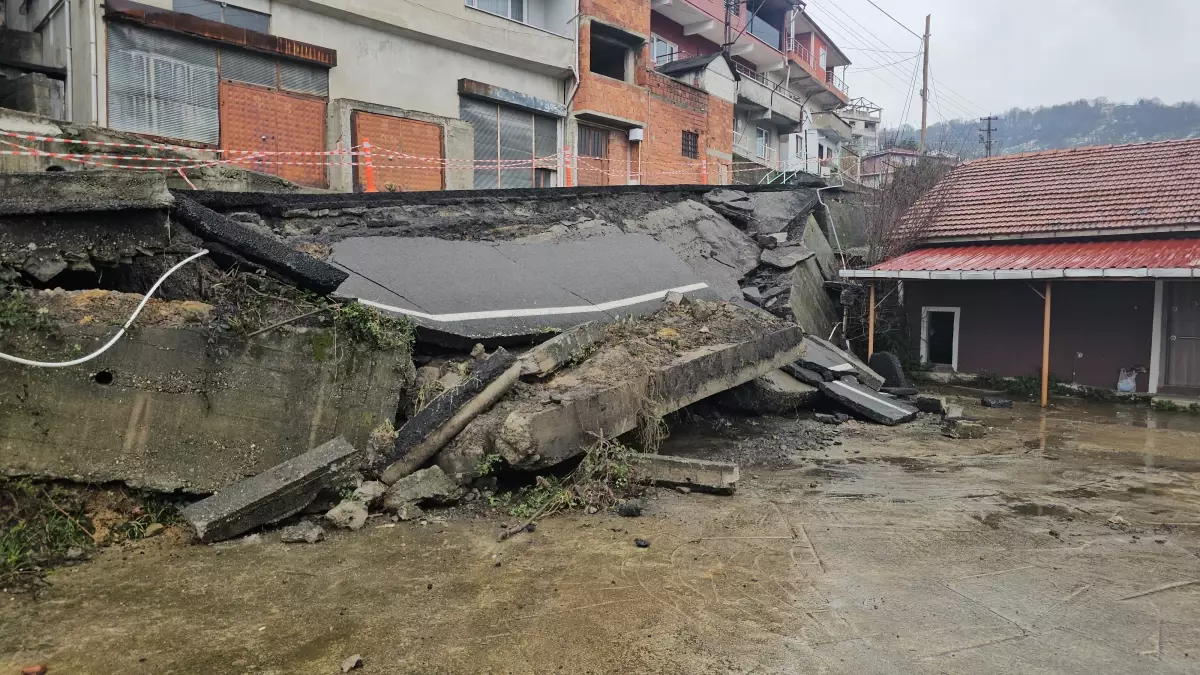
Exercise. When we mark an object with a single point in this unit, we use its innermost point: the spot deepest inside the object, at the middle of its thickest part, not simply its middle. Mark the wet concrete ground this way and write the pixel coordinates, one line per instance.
(896, 551)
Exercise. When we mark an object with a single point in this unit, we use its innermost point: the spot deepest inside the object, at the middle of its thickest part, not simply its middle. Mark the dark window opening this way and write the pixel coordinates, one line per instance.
(611, 51)
(544, 178)
(691, 144)
(593, 142)
(941, 338)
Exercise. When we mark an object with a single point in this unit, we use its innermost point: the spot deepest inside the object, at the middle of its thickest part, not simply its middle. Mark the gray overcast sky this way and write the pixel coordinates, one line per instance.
(988, 56)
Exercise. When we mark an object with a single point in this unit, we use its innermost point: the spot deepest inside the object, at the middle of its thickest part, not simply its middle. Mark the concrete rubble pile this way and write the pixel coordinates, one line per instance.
(589, 315)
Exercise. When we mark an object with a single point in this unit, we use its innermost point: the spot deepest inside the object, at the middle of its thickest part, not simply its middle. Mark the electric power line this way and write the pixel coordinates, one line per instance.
(919, 37)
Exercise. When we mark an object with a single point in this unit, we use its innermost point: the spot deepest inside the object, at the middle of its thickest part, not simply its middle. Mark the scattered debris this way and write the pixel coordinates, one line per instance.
(903, 392)
(693, 474)
(369, 493)
(305, 531)
(429, 430)
(348, 515)
(630, 509)
(831, 419)
(641, 543)
(407, 512)
(478, 352)
(153, 530)
(831, 362)
(786, 256)
(935, 405)
(427, 485)
(274, 494)
(352, 663)
(995, 402)
(963, 428)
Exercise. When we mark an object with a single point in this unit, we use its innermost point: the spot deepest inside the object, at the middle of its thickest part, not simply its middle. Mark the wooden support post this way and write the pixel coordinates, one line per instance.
(1046, 350)
(871, 324)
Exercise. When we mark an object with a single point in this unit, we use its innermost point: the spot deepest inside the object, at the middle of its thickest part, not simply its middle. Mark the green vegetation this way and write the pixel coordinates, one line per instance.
(607, 475)
(1166, 405)
(368, 326)
(38, 526)
(17, 312)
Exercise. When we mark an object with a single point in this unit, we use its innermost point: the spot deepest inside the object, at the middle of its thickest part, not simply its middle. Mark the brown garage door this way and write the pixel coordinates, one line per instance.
(421, 142)
(256, 118)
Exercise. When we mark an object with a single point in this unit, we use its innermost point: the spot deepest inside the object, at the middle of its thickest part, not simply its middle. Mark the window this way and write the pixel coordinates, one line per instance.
(662, 51)
(762, 141)
(824, 58)
(612, 51)
(223, 12)
(691, 144)
(593, 142)
(509, 9)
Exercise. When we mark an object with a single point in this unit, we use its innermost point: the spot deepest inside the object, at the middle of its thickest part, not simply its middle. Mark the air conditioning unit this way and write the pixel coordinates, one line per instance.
(637, 134)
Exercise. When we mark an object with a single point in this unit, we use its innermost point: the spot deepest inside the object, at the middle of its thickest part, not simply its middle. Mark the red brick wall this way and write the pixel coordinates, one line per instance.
(254, 118)
(663, 106)
(408, 137)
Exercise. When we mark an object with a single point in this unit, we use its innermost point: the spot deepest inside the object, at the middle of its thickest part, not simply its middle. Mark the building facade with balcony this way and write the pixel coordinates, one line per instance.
(454, 93)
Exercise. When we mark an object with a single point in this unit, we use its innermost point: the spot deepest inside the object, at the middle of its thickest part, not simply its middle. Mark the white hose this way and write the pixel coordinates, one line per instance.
(113, 341)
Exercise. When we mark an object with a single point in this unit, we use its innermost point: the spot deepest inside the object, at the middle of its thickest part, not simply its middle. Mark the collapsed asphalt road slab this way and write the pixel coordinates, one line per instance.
(832, 362)
(775, 393)
(869, 403)
(274, 494)
(493, 290)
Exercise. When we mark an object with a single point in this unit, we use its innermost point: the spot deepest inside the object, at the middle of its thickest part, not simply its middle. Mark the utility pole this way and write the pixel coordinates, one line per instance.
(987, 140)
(925, 88)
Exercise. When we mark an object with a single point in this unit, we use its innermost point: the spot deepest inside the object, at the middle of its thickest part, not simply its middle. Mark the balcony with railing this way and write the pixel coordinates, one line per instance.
(800, 54)
(758, 90)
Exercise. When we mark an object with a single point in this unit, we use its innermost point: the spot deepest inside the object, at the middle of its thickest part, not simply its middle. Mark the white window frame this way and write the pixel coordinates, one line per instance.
(655, 40)
(765, 135)
(824, 59)
(521, 3)
(925, 311)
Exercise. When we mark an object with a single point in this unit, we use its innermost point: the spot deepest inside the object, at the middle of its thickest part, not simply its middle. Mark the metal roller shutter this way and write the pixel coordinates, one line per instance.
(240, 65)
(482, 116)
(162, 84)
(516, 146)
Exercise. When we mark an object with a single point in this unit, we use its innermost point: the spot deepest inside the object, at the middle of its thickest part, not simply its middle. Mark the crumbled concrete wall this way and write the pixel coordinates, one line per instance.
(34, 93)
(175, 408)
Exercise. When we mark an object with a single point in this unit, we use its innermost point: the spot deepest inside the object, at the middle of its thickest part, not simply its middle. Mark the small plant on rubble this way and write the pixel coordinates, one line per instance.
(369, 326)
(608, 474)
(546, 496)
(488, 465)
(16, 311)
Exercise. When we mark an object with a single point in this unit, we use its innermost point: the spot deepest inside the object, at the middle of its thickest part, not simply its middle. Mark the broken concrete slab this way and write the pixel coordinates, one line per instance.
(778, 211)
(889, 368)
(805, 375)
(305, 270)
(904, 392)
(786, 256)
(274, 494)
(82, 191)
(963, 429)
(560, 350)
(810, 303)
(536, 435)
(832, 362)
(427, 485)
(775, 393)
(869, 403)
(927, 403)
(694, 474)
(304, 532)
(725, 196)
(442, 409)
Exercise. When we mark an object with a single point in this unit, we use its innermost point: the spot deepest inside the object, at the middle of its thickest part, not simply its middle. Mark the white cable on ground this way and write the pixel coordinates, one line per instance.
(113, 341)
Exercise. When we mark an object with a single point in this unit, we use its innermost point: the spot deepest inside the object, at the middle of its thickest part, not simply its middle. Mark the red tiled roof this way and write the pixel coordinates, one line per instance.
(1064, 191)
(1138, 254)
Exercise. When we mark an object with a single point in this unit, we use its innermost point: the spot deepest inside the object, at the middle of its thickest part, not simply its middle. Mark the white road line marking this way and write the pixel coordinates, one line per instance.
(537, 311)
(873, 398)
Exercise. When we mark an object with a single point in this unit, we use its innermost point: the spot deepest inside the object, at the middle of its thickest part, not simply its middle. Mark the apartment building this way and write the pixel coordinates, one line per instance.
(452, 93)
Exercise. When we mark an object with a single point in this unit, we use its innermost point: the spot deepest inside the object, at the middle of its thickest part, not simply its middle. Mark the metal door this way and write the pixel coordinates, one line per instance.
(1183, 334)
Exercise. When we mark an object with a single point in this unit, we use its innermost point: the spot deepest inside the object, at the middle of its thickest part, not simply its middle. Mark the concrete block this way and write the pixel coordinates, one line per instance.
(868, 403)
(279, 492)
(695, 474)
(772, 394)
(561, 350)
(430, 484)
(832, 362)
(889, 368)
(931, 404)
(535, 436)
(308, 272)
(964, 429)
